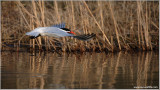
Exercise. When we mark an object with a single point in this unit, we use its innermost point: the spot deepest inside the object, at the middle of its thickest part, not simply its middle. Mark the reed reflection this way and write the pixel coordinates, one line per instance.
(86, 70)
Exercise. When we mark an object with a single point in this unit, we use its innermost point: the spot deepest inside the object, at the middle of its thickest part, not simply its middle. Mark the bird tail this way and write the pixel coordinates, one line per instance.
(85, 37)
(33, 34)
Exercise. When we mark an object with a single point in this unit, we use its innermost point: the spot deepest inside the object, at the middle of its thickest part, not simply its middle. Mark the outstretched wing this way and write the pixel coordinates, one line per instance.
(48, 31)
(85, 37)
(62, 25)
(33, 34)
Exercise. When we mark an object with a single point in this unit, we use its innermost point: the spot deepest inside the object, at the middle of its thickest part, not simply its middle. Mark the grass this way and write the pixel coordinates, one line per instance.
(121, 25)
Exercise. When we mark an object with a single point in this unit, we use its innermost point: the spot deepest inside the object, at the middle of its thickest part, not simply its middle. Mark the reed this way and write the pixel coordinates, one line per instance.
(123, 25)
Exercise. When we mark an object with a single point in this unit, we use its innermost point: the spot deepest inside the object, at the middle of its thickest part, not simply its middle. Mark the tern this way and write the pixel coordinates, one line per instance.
(58, 31)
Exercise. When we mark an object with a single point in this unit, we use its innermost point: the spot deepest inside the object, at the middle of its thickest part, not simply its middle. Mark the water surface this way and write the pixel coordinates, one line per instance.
(23, 70)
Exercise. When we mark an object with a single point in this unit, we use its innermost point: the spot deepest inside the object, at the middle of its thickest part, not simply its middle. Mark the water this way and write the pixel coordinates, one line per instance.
(120, 70)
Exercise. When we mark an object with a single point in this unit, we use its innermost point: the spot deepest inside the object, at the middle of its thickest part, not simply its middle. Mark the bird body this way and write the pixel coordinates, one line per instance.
(57, 31)
(49, 31)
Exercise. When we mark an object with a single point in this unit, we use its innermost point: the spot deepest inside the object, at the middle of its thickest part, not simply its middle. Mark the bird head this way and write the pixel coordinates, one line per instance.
(68, 31)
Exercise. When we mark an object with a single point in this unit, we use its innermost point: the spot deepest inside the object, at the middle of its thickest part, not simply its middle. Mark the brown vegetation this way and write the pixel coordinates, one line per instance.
(122, 25)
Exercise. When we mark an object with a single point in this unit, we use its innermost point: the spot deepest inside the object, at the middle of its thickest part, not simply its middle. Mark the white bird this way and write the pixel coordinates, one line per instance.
(57, 31)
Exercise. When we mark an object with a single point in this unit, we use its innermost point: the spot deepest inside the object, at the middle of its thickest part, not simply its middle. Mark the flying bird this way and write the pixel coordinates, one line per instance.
(58, 31)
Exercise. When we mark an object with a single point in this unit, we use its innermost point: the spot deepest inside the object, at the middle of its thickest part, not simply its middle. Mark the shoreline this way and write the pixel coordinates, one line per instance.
(28, 48)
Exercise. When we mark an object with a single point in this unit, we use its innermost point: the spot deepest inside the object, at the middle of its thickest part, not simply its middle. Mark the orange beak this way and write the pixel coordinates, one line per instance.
(72, 32)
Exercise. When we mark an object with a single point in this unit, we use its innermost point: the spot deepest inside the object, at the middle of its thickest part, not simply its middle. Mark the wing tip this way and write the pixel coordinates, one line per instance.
(86, 37)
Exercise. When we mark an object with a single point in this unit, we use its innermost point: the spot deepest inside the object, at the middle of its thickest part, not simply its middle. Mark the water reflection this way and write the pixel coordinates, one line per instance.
(87, 70)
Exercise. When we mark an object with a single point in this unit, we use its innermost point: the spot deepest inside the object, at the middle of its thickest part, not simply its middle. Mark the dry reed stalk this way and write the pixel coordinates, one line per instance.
(32, 27)
(85, 28)
(42, 10)
(92, 41)
(24, 9)
(42, 6)
(106, 44)
(20, 9)
(146, 29)
(52, 44)
(83, 21)
(33, 43)
(73, 20)
(138, 15)
(149, 36)
(96, 22)
(71, 15)
(35, 13)
(112, 44)
(56, 10)
(37, 21)
(141, 22)
(155, 25)
(88, 30)
(18, 3)
(46, 43)
(59, 21)
(100, 4)
(142, 36)
(40, 47)
(115, 25)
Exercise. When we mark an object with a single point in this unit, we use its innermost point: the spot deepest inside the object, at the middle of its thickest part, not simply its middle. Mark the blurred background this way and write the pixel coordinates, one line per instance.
(119, 25)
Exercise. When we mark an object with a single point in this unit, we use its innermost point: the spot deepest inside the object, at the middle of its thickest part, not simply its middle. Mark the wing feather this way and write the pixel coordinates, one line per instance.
(48, 31)
(62, 25)
(35, 34)
(56, 32)
(85, 37)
